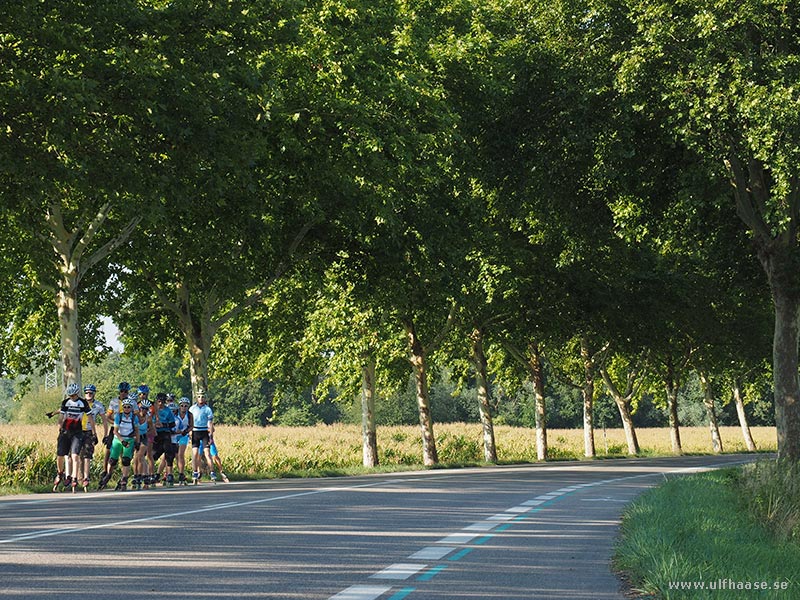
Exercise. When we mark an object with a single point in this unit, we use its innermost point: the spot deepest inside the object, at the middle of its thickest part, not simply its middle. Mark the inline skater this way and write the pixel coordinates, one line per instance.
(165, 427)
(141, 463)
(126, 435)
(202, 429)
(183, 429)
(70, 439)
(143, 393)
(114, 406)
(90, 431)
(217, 461)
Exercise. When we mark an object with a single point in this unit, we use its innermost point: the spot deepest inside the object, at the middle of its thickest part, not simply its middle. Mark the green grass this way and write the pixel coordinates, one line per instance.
(700, 529)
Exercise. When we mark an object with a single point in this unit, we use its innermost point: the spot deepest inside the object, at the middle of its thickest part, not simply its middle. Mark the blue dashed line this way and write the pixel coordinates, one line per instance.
(461, 554)
(432, 573)
(402, 593)
(483, 540)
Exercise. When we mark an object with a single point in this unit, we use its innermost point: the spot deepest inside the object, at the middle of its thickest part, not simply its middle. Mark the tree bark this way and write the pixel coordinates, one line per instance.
(711, 411)
(780, 264)
(536, 369)
(587, 392)
(739, 402)
(672, 406)
(369, 438)
(484, 406)
(623, 402)
(419, 365)
(198, 362)
(67, 304)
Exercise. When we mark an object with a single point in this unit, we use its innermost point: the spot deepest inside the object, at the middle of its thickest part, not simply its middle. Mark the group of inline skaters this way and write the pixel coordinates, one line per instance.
(136, 433)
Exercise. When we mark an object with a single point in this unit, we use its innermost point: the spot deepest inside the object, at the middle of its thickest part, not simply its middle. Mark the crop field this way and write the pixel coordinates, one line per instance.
(27, 452)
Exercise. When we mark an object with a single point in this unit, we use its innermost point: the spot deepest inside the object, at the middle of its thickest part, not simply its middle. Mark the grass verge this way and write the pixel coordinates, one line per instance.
(695, 537)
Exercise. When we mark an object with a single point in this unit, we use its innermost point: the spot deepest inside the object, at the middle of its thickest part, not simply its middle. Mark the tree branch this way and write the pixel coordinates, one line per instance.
(744, 206)
(109, 247)
(258, 294)
(443, 332)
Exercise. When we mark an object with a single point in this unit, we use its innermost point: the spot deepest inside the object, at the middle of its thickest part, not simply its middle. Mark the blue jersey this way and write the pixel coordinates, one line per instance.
(203, 415)
(166, 420)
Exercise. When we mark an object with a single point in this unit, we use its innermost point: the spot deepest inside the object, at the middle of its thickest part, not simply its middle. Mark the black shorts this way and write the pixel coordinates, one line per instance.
(69, 442)
(199, 436)
(89, 441)
(163, 445)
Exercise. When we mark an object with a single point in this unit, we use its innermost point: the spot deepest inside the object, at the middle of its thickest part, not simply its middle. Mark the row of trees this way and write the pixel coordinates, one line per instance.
(333, 192)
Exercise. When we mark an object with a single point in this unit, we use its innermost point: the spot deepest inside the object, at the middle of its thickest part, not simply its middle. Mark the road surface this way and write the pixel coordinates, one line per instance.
(536, 531)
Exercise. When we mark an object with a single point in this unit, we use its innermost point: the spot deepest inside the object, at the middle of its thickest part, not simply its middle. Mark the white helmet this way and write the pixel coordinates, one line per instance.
(73, 389)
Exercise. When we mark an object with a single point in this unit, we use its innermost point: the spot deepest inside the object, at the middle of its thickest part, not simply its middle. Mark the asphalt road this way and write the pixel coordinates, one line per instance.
(538, 531)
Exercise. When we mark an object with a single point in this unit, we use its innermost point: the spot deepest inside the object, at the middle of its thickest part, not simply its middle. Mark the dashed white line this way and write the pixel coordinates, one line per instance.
(481, 526)
(361, 592)
(432, 553)
(457, 538)
(399, 571)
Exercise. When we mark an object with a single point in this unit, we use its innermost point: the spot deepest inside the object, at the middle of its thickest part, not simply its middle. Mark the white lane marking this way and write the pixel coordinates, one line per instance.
(398, 571)
(220, 505)
(61, 531)
(533, 502)
(432, 553)
(518, 509)
(481, 526)
(604, 500)
(500, 518)
(361, 592)
(456, 538)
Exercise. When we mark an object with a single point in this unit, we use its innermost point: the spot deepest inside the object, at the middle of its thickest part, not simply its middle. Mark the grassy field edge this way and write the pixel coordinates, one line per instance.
(695, 537)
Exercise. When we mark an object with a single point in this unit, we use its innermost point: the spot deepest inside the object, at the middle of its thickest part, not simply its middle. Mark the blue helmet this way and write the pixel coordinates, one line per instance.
(89, 388)
(143, 389)
(72, 389)
(124, 386)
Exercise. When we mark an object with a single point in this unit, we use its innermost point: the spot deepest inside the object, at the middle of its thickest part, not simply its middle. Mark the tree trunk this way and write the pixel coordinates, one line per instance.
(587, 393)
(72, 262)
(419, 365)
(623, 403)
(484, 407)
(737, 399)
(536, 370)
(198, 364)
(369, 438)
(627, 425)
(708, 401)
(787, 386)
(778, 255)
(67, 303)
(672, 406)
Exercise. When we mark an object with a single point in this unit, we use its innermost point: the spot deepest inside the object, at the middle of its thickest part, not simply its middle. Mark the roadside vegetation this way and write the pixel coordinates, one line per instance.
(731, 533)
(27, 452)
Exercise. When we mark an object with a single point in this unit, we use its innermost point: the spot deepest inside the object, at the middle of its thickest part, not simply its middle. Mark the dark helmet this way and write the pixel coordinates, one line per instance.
(124, 386)
(161, 396)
